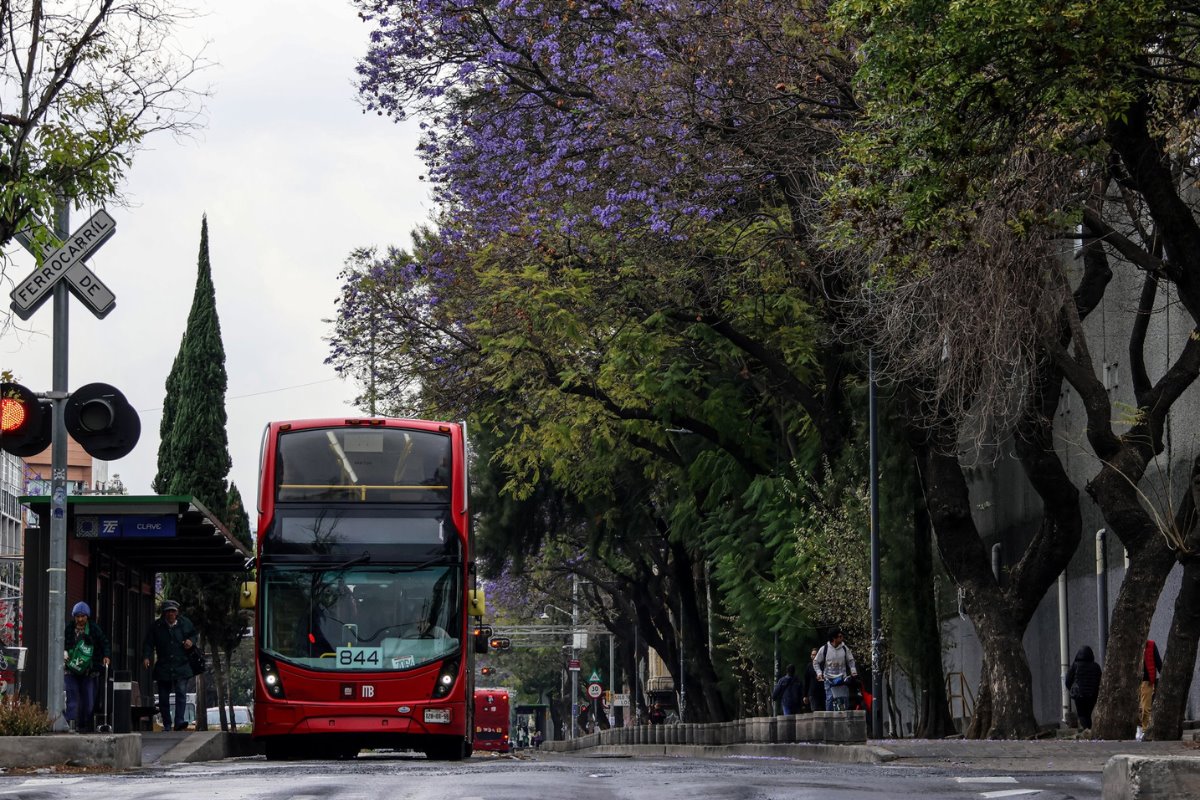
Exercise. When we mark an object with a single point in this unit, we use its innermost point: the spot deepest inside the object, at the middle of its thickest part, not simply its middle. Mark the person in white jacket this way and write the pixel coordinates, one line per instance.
(835, 667)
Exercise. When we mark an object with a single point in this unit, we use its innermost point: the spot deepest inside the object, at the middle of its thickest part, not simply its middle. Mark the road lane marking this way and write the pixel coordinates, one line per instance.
(989, 779)
(1010, 792)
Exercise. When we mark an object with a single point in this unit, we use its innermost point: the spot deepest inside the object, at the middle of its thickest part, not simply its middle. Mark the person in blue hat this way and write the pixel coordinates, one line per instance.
(168, 640)
(85, 651)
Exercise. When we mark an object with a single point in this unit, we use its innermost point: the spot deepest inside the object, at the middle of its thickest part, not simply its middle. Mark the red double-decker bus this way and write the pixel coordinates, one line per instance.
(493, 717)
(365, 585)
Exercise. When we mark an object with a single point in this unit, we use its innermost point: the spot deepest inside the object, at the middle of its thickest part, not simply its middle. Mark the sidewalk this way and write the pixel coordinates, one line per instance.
(1037, 755)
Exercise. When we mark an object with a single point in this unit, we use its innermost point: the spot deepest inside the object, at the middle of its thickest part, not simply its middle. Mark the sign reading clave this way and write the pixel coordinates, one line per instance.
(124, 527)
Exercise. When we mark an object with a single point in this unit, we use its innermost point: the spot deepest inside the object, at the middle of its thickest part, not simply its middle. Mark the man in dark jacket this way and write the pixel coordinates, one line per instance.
(813, 689)
(168, 640)
(788, 692)
(85, 650)
(1083, 683)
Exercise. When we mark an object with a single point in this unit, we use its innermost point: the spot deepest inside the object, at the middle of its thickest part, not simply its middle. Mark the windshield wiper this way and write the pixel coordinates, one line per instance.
(365, 558)
(436, 560)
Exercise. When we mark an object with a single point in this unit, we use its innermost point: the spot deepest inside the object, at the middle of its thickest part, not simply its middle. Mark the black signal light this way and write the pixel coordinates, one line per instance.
(100, 418)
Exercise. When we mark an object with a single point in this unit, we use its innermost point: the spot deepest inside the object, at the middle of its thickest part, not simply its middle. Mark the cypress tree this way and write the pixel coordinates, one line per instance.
(193, 459)
(194, 452)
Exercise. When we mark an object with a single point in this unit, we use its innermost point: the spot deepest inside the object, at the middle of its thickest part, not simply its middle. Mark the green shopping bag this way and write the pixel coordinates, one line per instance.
(79, 661)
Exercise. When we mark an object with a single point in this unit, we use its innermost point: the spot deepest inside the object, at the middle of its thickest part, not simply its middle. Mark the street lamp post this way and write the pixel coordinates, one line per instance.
(574, 672)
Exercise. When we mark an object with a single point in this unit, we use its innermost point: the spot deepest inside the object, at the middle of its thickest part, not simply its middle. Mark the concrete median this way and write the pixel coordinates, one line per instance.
(1128, 777)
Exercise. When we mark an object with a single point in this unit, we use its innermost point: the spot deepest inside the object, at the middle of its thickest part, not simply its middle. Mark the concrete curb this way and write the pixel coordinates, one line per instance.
(211, 746)
(1152, 778)
(118, 751)
(831, 753)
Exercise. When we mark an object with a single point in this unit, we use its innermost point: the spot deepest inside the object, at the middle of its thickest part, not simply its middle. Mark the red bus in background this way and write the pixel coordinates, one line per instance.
(492, 720)
(365, 585)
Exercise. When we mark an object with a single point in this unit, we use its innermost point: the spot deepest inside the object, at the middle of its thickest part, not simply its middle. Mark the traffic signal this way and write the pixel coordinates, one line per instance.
(100, 418)
(487, 671)
(500, 643)
(482, 634)
(26, 423)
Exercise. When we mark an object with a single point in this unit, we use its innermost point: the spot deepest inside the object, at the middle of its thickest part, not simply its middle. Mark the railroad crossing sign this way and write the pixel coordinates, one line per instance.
(64, 260)
(594, 690)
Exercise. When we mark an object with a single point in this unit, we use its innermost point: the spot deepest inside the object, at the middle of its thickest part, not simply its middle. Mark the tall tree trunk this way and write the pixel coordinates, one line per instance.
(934, 721)
(1000, 630)
(1170, 700)
(1116, 710)
(981, 717)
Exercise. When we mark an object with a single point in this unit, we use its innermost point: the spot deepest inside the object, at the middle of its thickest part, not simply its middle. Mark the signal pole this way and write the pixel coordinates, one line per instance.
(56, 572)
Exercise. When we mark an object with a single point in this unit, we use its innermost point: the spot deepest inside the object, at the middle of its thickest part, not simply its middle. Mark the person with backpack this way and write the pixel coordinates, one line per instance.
(835, 667)
(85, 650)
(788, 692)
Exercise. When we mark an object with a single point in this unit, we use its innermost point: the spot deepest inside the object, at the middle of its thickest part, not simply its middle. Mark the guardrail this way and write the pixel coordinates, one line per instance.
(821, 727)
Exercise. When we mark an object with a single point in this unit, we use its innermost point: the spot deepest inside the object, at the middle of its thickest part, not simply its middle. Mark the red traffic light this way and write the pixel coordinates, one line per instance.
(499, 643)
(488, 671)
(25, 421)
(482, 633)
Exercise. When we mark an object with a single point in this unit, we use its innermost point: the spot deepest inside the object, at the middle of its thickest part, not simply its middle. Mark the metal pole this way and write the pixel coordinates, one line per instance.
(574, 672)
(682, 690)
(1064, 647)
(1101, 593)
(876, 620)
(56, 572)
(612, 679)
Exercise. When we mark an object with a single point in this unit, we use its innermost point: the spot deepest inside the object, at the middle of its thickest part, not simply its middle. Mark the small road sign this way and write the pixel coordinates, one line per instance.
(573, 665)
(65, 261)
(594, 677)
(595, 690)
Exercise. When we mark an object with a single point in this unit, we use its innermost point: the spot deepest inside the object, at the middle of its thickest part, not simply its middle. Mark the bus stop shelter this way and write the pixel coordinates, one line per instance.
(116, 547)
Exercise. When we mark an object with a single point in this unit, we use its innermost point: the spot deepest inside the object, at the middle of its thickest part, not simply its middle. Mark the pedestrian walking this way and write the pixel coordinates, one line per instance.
(85, 651)
(835, 667)
(788, 691)
(814, 690)
(169, 639)
(1083, 684)
(1151, 672)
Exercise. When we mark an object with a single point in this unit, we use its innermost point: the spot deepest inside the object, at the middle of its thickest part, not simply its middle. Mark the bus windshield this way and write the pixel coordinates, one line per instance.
(362, 618)
(367, 465)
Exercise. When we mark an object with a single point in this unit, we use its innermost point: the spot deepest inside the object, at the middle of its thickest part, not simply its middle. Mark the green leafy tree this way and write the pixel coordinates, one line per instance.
(991, 127)
(83, 85)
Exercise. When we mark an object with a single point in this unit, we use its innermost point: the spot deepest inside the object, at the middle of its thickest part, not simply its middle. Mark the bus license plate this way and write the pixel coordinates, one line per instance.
(441, 715)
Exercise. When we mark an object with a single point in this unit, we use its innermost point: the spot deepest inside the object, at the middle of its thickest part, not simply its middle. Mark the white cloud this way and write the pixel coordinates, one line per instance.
(292, 176)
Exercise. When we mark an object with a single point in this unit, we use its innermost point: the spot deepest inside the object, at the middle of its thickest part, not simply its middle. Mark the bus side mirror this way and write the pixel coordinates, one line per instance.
(248, 596)
(476, 603)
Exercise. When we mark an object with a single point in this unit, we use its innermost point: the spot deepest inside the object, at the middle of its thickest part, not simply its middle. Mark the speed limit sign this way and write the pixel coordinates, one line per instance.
(595, 690)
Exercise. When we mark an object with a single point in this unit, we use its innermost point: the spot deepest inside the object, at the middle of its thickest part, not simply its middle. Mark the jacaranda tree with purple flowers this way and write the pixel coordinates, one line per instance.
(627, 279)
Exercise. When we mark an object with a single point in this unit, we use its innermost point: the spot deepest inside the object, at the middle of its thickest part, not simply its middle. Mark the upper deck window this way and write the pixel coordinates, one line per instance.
(375, 465)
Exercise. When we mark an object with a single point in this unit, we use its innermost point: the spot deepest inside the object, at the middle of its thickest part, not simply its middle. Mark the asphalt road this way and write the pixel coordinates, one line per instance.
(533, 777)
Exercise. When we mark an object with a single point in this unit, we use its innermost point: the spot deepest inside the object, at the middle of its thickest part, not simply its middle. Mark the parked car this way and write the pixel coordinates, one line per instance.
(243, 718)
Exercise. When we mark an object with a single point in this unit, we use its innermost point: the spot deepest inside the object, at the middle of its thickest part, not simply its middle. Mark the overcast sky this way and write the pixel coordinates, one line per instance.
(292, 176)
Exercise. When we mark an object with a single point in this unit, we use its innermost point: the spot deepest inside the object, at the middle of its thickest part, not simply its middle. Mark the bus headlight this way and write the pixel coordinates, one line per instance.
(271, 678)
(445, 679)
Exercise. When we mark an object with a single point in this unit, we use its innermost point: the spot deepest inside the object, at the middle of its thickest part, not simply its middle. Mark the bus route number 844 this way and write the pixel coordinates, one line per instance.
(359, 657)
